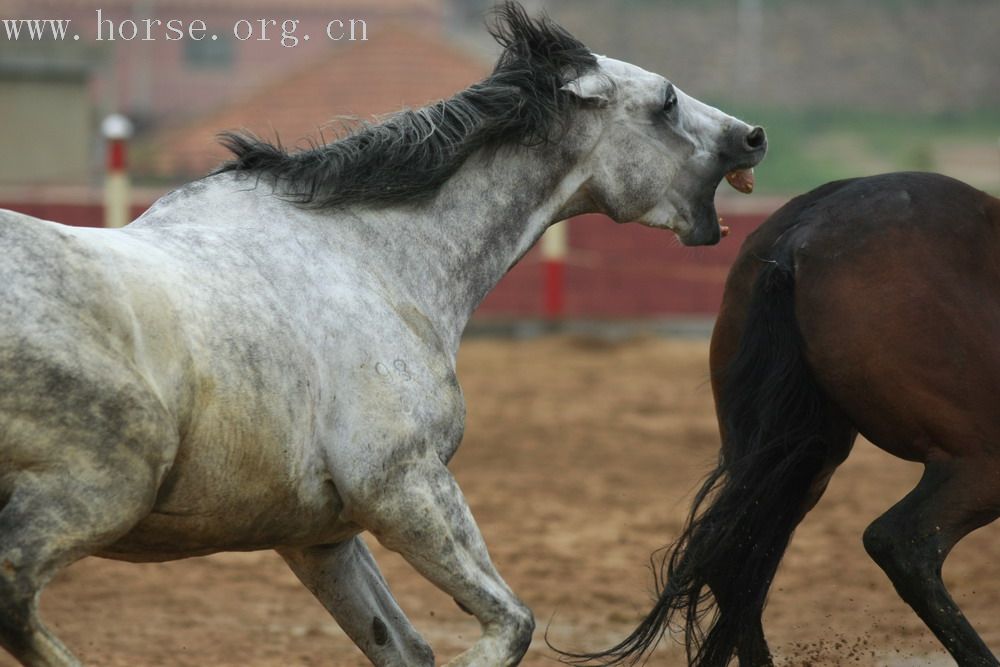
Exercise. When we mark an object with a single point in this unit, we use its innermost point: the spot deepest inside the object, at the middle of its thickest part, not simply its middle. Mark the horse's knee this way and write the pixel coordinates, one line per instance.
(526, 630)
(904, 557)
(520, 626)
(879, 541)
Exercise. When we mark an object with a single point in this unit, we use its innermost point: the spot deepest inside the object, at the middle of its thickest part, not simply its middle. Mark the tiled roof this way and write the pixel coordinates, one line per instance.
(400, 68)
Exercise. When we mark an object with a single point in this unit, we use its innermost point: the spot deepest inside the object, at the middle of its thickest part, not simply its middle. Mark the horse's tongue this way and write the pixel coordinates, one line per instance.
(741, 179)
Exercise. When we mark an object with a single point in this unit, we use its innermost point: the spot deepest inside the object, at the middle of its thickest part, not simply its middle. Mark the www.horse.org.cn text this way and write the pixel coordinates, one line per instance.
(284, 32)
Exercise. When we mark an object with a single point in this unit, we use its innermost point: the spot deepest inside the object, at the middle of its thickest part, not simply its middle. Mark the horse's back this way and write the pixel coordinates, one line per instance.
(897, 296)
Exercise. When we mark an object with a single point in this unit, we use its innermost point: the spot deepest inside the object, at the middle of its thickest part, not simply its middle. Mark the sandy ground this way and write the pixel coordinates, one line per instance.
(579, 460)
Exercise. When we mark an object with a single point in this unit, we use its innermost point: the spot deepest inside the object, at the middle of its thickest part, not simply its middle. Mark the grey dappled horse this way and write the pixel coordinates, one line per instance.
(266, 358)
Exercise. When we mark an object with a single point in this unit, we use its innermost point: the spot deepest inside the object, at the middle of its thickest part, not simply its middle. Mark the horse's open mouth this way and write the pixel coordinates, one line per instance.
(741, 179)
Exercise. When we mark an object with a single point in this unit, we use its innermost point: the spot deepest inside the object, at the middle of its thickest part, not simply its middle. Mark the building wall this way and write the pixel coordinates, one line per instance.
(46, 129)
(165, 78)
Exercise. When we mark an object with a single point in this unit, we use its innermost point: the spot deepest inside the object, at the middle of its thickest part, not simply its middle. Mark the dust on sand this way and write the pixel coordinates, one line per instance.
(580, 460)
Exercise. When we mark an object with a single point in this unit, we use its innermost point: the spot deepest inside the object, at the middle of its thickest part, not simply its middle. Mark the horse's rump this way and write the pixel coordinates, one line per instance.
(897, 289)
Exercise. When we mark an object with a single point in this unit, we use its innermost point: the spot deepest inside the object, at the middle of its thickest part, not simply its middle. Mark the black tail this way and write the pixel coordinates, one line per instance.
(714, 580)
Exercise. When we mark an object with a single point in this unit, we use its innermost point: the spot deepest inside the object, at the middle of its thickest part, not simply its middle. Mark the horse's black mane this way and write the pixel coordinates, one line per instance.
(412, 153)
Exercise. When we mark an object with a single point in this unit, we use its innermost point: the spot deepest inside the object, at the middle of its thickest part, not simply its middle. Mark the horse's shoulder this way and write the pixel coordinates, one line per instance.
(402, 386)
(399, 368)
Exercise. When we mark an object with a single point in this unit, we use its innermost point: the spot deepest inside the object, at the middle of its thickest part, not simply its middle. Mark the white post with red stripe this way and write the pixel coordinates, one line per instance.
(555, 244)
(117, 129)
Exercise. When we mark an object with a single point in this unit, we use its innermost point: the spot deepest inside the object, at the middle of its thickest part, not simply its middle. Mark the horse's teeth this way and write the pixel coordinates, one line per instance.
(741, 179)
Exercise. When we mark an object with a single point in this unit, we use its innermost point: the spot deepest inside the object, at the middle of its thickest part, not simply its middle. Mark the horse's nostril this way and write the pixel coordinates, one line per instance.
(756, 138)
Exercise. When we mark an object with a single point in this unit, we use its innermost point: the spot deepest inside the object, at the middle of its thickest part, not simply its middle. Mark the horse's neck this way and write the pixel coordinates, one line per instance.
(483, 220)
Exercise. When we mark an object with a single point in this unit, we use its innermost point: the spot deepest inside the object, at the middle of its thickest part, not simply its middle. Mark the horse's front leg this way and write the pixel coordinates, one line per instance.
(346, 580)
(414, 507)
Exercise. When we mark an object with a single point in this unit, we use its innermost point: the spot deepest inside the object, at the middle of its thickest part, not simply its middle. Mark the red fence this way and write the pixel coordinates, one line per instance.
(612, 271)
(626, 271)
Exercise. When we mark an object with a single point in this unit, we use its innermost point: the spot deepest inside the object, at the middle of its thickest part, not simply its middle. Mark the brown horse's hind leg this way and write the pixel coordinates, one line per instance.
(912, 539)
(50, 521)
(753, 650)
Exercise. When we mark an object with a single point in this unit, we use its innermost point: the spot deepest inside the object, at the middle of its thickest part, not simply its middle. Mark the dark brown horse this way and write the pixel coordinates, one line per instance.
(870, 305)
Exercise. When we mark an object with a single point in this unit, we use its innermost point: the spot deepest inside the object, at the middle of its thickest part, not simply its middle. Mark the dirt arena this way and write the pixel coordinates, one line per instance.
(580, 459)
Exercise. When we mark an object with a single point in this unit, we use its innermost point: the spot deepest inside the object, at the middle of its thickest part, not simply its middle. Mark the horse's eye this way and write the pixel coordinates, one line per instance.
(671, 100)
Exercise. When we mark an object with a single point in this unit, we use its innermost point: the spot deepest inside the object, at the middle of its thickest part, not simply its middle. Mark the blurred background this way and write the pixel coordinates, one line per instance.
(844, 88)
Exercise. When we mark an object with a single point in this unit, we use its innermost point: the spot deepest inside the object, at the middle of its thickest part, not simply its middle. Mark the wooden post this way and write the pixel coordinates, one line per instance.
(116, 129)
(554, 248)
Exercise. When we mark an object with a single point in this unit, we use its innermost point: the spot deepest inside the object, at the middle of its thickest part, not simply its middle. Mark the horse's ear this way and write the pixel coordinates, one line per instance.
(592, 87)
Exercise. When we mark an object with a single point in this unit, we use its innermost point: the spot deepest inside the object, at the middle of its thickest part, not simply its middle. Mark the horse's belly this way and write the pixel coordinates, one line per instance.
(256, 524)
(246, 495)
(162, 537)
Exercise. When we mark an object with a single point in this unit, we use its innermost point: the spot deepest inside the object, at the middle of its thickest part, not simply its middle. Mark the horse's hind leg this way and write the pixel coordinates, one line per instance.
(51, 520)
(912, 539)
(753, 650)
(346, 580)
(21, 581)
